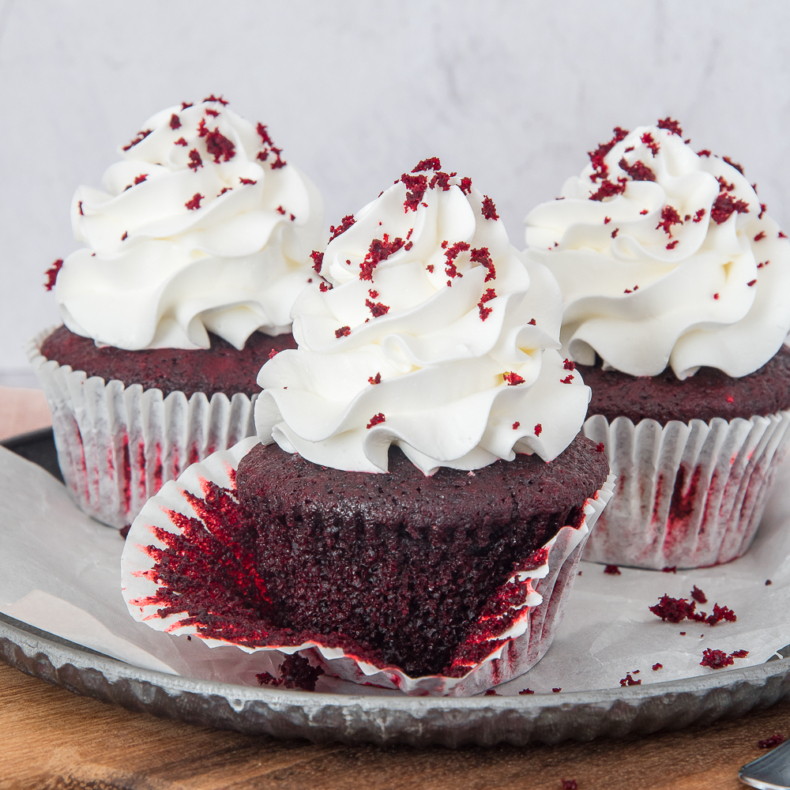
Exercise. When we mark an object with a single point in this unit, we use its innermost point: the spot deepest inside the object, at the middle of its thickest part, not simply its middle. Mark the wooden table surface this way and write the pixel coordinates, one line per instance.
(51, 739)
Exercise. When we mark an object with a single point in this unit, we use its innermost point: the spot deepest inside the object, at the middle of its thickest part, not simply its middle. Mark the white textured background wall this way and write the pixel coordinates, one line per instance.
(510, 93)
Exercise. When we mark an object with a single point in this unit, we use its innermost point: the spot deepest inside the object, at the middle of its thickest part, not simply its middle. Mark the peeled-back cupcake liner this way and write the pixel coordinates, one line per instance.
(117, 445)
(513, 633)
(688, 495)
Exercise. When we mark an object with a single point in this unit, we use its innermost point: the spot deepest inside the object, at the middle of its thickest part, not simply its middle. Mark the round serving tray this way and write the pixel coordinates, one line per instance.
(419, 721)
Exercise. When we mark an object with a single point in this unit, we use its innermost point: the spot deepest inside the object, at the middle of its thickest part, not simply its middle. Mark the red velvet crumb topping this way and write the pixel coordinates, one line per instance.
(344, 331)
(657, 666)
(698, 595)
(125, 236)
(185, 104)
(376, 419)
(247, 181)
(751, 283)
(769, 743)
(516, 425)
(52, 274)
(219, 99)
(488, 208)
(428, 164)
(466, 185)
(672, 244)
(567, 380)
(643, 211)
(139, 137)
(608, 189)
(379, 250)
(703, 152)
(212, 113)
(612, 570)
(600, 168)
(725, 206)
(557, 691)
(195, 160)
(652, 144)
(699, 214)
(538, 429)
(568, 365)
(442, 180)
(482, 256)
(219, 146)
(669, 217)
(175, 122)
(638, 171)
(733, 164)
(139, 179)
(324, 287)
(512, 378)
(181, 141)
(671, 126)
(489, 294)
(760, 236)
(415, 186)
(600, 447)
(344, 225)
(526, 691)
(377, 308)
(532, 322)
(194, 203)
(629, 681)
(375, 379)
(715, 659)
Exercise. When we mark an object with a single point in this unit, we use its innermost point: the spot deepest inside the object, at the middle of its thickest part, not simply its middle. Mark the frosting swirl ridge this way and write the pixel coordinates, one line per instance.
(664, 257)
(428, 331)
(202, 226)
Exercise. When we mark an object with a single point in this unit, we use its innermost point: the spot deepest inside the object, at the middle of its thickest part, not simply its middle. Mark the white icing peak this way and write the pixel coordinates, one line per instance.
(428, 331)
(664, 257)
(202, 226)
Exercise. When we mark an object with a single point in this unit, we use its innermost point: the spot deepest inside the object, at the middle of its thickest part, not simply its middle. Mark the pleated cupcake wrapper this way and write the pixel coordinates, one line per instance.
(688, 495)
(521, 643)
(118, 445)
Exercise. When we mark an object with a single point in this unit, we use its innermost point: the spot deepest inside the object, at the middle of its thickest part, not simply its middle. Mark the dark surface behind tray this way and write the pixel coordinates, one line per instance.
(38, 447)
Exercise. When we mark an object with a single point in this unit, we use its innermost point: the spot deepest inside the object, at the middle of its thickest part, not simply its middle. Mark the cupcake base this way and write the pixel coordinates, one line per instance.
(189, 547)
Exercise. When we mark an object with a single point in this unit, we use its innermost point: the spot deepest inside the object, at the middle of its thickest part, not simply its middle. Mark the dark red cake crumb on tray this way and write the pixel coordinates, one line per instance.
(569, 784)
(612, 570)
(628, 680)
(221, 368)
(296, 672)
(718, 659)
(770, 742)
(657, 666)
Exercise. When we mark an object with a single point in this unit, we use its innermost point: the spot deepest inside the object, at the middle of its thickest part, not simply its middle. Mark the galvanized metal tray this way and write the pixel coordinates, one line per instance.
(419, 721)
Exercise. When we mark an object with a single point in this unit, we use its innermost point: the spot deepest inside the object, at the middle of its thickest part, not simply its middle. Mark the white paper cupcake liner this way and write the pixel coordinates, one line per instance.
(118, 445)
(527, 628)
(688, 495)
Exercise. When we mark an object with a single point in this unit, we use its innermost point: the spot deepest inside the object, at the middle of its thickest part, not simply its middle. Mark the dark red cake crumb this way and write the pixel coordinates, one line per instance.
(724, 206)
(139, 137)
(220, 368)
(488, 208)
(556, 690)
(124, 531)
(175, 122)
(770, 742)
(673, 610)
(428, 164)
(52, 274)
(768, 582)
(670, 125)
(379, 250)
(195, 160)
(651, 143)
(612, 570)
(516, 425)
(212, 97)
(344, 331)
(638, 171)
(538, 429)
(760, 236)
(376, 419)
(416, 187)
(698, 595)
(715, 659)
(569, 784)
(669, 569)
(491, 693)
(512, 378)
(607, 189)
(721, 613)
(738, 167)
(376, 380)
(739, 653)
(629, 681)
(411, 567)
(526, 691)
(247, 181)
(296, 672)
(483, 257)
(657, 666)
(194, 203)
(703, 396)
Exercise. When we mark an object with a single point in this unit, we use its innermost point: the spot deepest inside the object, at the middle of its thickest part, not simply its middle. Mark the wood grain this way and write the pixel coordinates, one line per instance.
(53, 740)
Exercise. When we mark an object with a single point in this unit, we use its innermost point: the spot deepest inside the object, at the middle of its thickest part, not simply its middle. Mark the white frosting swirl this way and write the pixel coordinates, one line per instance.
(201, 227)
(664, 257)
(432, 335)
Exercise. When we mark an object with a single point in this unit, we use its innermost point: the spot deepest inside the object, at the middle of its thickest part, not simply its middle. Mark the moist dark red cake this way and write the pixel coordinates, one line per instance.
(221, 368)
(707, 394)
(400, 562)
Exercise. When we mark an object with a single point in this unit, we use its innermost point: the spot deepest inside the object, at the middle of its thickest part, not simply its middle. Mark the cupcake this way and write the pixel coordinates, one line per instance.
(414, 511)
(195, 251)
(676, 285)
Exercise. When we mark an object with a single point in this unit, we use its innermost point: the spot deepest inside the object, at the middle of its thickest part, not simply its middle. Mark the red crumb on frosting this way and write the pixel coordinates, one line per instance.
(669, 217)
(648, 140)
(672, 244)
(415, 190)
(181, 141)
(175, 122)
(194, 160)
(375, 379)
(344, 331)
(760, 236)
(670, 125)
(567, 380)
(607, 220)
(344, 225)
(568, 365)
(638, 171)
(185, 104)
(379, 250)
(516, 425)
(376, 419)
(212, 113)
(769, 743)
(763, 209)
(600, 447)
(703, 152)
(751, 283)
(532, 322)
(612, 570)
(538, 429)
(482, 256)
(598, 156)
(281, 210)
(318, 260)
(698, 595)
(725, 206)
(486, 297)
(52, 274)
(139, 179)
(139, 137)
(488, 208)
(698, 215)
(729, 161)
(629, 681)
(247, 181)
(428, 164)
(643, 211)
(324, 287)
(615, 232)
(194, 203)
(125, 236)
(657, 666)
(466, 185)
(512, 378)
(442, 180)
(219, 99)
(451, 253)
(716, 296)
(219, 146)
(608, 189)
(377, 308)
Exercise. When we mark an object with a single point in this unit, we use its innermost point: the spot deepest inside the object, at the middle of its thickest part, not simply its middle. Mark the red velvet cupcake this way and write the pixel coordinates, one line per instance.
(675, 284)
(195, 252)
